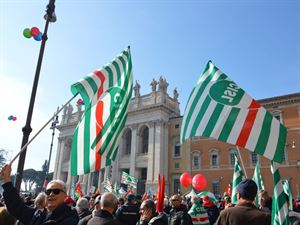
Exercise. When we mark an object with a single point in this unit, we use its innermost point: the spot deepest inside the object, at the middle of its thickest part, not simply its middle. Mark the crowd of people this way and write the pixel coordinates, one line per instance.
(54, 206)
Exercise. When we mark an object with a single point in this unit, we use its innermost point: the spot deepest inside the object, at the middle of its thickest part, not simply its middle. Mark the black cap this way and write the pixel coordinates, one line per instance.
(247, 189)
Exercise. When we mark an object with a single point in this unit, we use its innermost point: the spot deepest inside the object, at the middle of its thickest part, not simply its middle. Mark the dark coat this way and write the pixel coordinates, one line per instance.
(158, 219)
(62, 215)
(180, 216)
(103, 217)
(212, 211)
(128, 214)
(246, 214)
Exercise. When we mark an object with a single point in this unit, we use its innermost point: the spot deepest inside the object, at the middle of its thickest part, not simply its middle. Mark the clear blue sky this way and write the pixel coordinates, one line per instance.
(256, 43)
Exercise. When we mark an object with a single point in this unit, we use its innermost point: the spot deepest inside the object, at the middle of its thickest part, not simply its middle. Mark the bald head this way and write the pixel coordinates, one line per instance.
(109, 202)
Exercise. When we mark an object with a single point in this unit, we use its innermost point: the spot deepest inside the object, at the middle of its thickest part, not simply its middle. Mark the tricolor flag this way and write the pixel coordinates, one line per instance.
(106, 94)
(257, 178)
(107, 185)
(237, 178)
(280, 211)
(131, 181)
(219, 108)
(287, 191)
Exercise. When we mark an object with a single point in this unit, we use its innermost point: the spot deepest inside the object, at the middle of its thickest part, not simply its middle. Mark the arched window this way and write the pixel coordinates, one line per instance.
(196, 160)
(214, 158)
(145, 140)
(232, 153)
(127, 144)
(177, 150)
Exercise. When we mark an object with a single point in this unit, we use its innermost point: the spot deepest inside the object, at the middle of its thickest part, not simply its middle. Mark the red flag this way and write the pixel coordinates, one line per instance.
(145, 195)
(228, 189)
(160, 194)
(129, 192)
(78, 189)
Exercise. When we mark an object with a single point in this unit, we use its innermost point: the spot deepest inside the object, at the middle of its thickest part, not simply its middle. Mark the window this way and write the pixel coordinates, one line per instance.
(176, 185)
(232, 153)
(177, 150)
(196, 160)
(145, 140)
(253, 158)
(216, 187)
(177, 165)
(127, 147)
(144, 174)
(278, 115)
(214, 158)
(176, 125)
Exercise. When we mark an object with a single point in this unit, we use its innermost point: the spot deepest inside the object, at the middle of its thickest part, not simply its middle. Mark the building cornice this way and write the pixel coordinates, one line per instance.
(280, 100)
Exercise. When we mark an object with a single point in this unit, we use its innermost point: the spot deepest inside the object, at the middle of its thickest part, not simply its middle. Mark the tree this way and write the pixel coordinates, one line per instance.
(3, 157)
(29, 178)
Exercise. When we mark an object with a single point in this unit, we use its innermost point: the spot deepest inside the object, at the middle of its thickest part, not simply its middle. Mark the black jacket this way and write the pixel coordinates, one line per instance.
(62, 215)
(180, 216)
(158, 219)
(128, 214)
(103, 217)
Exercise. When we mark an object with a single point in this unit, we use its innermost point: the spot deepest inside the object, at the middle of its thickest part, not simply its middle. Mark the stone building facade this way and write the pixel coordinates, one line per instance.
(150, 145)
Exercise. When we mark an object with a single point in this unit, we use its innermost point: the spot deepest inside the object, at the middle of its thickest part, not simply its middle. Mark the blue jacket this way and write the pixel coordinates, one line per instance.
(62, 215)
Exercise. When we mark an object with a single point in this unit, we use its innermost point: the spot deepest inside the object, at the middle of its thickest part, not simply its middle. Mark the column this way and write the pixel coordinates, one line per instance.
(134, 146)
(158, 157)
(188, 155)
(57, 165)
(165, 154)
(61, 157)
(151, 162)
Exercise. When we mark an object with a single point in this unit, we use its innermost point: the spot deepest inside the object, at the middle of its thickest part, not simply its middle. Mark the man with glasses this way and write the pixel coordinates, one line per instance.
(179, 214)
(57, 211)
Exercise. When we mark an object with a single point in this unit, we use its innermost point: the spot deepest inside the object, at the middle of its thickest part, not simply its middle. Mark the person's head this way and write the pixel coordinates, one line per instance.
(148, 204)
(40, 201)
(56, 194)
(109, 202)
(5, 217)
(70, 201)
(82, 204)
(121, 201)
(131, 199)
(175, 201)
(263, 197)
(247, 190)
(195, 200)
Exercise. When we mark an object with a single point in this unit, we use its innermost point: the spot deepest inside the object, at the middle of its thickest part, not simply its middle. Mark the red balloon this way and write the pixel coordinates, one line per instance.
(199, 182)
(34, 31)
(186, 179)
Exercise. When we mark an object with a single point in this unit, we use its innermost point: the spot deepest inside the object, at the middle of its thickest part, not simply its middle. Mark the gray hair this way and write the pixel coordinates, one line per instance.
(63, 184)
(82, 204)
(108, 200)
(40, 199)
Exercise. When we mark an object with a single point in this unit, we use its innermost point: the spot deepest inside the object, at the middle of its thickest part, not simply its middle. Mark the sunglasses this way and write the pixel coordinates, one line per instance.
(54, 191)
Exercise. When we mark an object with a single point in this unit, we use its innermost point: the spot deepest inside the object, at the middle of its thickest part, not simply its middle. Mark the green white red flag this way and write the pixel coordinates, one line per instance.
(106, 94)
(236, 180)
(219, 108)
(280, 212)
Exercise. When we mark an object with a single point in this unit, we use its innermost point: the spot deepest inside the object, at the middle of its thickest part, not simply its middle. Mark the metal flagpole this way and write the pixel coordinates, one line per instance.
(50, 17)
(25, 146)
(242, 162)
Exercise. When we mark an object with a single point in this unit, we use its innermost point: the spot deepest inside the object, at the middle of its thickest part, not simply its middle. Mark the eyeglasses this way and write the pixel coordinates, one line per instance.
(54, 191)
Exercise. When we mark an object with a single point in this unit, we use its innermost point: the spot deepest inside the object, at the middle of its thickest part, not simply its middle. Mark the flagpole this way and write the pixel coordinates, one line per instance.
(242, 162)
(43, 127)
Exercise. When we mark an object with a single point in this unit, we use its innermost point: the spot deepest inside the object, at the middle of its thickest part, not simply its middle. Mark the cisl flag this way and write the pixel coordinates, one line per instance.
(219, 108)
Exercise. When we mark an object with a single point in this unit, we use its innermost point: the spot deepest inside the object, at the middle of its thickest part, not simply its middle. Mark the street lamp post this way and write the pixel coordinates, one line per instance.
(50, 17)
(53, 127)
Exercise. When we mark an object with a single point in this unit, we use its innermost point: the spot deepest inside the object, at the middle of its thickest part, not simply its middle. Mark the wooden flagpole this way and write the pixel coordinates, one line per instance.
(43, 127)
(242, 162)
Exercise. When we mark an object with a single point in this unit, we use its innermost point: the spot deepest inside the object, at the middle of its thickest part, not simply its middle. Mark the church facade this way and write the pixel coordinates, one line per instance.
(150, 146)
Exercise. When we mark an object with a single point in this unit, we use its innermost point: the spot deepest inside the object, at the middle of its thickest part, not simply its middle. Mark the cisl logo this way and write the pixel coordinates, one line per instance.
(226, 92)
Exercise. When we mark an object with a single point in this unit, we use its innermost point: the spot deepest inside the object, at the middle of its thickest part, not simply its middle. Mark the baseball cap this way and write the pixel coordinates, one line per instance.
(131, 197)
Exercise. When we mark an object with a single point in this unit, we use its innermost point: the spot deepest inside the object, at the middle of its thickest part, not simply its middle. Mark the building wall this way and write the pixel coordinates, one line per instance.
(160, 114)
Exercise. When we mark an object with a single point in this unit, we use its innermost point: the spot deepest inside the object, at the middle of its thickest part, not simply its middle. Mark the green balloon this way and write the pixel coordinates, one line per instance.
(27, 33)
